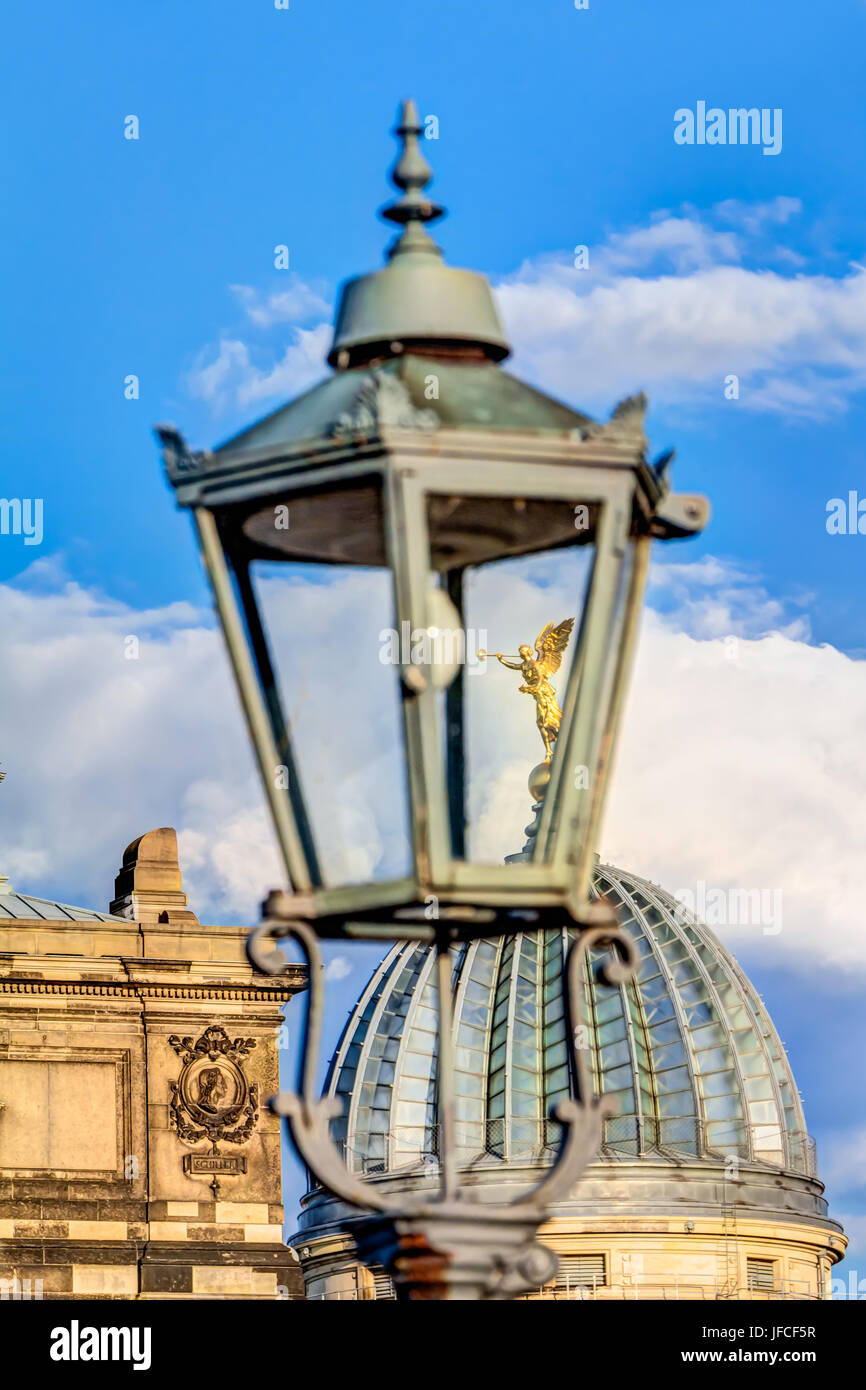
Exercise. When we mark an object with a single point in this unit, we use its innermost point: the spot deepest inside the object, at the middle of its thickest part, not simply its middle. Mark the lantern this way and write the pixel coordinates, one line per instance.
(367, 544)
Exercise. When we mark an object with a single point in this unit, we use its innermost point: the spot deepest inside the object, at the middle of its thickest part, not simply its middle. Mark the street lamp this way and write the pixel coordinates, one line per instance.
(423, 476)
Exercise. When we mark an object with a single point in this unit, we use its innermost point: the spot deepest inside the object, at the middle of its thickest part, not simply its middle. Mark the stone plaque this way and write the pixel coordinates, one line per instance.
(196, 1165)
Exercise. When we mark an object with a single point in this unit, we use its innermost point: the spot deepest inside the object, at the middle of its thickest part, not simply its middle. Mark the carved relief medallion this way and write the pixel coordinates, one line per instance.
(212, 1098)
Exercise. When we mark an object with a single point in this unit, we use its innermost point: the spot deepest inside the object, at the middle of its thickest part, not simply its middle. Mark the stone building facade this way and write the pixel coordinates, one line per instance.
(138, 1049)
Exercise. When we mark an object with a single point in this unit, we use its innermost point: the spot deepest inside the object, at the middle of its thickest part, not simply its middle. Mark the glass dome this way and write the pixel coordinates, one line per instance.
(686, 1049)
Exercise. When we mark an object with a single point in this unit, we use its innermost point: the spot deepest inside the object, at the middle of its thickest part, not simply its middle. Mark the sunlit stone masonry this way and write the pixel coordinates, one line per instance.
(137, 1052)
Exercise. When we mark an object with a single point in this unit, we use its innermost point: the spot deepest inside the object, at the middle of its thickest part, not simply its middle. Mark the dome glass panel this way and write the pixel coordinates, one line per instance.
(685, 1049)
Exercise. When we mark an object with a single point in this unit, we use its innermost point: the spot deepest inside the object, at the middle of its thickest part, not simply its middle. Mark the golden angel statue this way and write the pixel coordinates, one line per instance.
(550, 644)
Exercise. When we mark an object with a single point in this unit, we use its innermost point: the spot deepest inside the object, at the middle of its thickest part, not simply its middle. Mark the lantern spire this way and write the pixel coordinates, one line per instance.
(411, 173)
(415, 303)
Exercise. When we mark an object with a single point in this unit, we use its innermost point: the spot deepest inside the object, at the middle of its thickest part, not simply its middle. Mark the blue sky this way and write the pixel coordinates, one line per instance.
(260, 127)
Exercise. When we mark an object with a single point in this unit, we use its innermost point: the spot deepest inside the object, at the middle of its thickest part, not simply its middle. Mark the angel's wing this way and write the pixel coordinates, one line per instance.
(550, 644)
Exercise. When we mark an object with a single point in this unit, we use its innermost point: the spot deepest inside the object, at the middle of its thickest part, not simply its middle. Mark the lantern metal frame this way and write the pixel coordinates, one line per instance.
(605, 469)
(446, 1245)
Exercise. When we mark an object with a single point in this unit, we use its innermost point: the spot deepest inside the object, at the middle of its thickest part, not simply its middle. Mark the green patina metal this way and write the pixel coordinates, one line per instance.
(427, 392)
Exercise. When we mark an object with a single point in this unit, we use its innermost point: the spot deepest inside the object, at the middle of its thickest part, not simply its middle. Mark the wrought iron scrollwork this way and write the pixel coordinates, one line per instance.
(308, 1115)
(580, 1117)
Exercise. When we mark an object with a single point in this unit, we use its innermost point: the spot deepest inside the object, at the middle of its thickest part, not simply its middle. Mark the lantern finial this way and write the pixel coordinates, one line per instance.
(411, 174)
(416, 302)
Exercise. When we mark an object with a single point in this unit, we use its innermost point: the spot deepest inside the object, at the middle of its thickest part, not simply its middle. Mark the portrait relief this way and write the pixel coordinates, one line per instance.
(212, 1097)
(212, 1089)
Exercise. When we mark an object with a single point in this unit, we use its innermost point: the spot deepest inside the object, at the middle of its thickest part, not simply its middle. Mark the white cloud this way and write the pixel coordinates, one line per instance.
(673, 306)
(679, 304)
(849, 1281)
(238, 373)
(742, 762)
(684, 243)
(843, 1160)
(713, 598)
(226, 846)
(338, 968)
(297, 302)
(754, 217)
(742, 766)
(232, 378)
(99, 748)
(796, 342)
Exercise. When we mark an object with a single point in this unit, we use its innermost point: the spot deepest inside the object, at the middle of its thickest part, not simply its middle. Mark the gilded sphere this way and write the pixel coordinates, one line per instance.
(538, 780)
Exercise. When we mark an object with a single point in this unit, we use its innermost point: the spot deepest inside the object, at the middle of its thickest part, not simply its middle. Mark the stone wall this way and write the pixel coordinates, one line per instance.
(138, 1158)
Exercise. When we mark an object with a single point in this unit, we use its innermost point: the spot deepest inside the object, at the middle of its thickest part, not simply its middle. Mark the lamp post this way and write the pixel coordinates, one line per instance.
(423, 471)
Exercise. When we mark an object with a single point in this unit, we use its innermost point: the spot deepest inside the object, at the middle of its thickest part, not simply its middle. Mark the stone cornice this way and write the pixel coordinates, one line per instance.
(279, 993)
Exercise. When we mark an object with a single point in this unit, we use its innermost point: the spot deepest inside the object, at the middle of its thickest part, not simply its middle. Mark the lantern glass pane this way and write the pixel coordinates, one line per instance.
(525, 563)
(330, 637)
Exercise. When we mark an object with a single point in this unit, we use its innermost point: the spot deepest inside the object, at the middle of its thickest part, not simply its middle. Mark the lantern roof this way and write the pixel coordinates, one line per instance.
(412, 391)
(416, 300)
